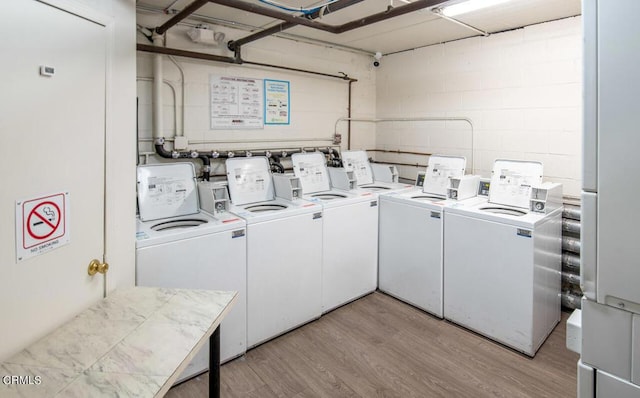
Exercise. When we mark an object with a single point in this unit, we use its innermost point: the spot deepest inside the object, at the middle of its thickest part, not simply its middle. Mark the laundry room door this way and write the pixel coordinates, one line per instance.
(52, 123)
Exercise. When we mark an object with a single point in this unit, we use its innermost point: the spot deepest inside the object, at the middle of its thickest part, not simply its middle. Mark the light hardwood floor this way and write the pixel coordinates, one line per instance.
(380, 347)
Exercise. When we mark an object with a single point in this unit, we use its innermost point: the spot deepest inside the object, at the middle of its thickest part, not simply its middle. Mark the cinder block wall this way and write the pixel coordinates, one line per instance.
(521, 88)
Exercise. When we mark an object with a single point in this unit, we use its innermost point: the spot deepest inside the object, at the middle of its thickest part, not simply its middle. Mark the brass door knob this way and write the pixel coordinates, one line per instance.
(96, 266)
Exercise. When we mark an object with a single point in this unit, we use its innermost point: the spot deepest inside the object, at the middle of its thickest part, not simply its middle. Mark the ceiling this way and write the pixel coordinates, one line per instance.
(412, 30)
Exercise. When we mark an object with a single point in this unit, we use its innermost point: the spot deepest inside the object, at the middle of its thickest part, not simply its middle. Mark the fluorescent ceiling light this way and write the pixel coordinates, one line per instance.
(469, 6)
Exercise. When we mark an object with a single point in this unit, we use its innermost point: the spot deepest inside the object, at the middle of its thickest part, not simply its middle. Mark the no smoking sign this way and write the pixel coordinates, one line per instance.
(41, 224)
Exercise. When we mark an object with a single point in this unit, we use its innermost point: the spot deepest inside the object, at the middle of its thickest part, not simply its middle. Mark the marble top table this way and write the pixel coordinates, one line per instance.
(135, 343)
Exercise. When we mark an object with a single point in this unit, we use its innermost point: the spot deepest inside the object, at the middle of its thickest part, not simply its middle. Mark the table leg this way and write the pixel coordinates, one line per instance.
(214, 364)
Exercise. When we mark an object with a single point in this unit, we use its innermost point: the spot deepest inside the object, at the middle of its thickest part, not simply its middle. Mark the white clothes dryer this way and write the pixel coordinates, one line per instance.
(284, 251)
(349, 233)
(358, 163)
(502, 260)
(411, 237)
(179, 246)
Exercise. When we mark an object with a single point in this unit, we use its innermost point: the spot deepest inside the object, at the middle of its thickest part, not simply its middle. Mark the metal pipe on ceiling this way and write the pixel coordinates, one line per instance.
(250, 28)
(337, 29)
(439, 13)
(230, 60)
(293, 20)
(272, 13)
(184, 53)
(387, 14)
(188, 10)
(339, 5)
(341, 77)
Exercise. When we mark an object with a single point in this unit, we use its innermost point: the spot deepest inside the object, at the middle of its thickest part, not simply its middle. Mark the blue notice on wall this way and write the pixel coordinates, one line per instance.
(276, 102)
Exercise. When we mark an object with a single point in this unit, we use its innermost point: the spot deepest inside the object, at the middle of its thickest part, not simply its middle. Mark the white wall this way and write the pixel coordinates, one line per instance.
(316, 101)
(522, 90)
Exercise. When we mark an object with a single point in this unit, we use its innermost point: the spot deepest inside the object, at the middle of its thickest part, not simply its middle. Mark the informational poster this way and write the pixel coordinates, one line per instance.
(276, 102)
(236, 103)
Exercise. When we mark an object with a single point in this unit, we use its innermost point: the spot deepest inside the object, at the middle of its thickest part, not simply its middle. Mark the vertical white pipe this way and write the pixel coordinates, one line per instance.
(158, 128)
(181, 124)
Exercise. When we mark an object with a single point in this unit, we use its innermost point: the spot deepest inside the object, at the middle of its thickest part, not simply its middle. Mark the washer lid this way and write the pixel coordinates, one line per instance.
(249, 180)
(439, 169)
(511, 182)
(358, 162)
(311, 169)
(166, 190)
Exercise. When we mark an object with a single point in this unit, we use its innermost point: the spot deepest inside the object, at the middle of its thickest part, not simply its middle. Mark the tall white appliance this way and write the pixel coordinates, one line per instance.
(502, 258)
(284, 248)
(179, 246)
(411, 236)
(349, 233)
(610, 274)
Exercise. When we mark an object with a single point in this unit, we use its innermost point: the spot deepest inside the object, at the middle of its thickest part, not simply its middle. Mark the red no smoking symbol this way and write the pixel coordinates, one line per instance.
(43, 220)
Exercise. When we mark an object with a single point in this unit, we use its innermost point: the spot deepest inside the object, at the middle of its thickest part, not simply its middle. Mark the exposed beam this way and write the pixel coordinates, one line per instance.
(272, 13)
(339, 5)
(185, 13)
(184, 53)
(291, 20)
(231, 60)
(390, 12)
(387, 14)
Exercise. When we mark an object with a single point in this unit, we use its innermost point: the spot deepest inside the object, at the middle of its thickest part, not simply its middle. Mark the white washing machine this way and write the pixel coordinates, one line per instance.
(349, 233)
(179, 246)
(502, 259)
(358, 163)
(284, 249)
(411, 234)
